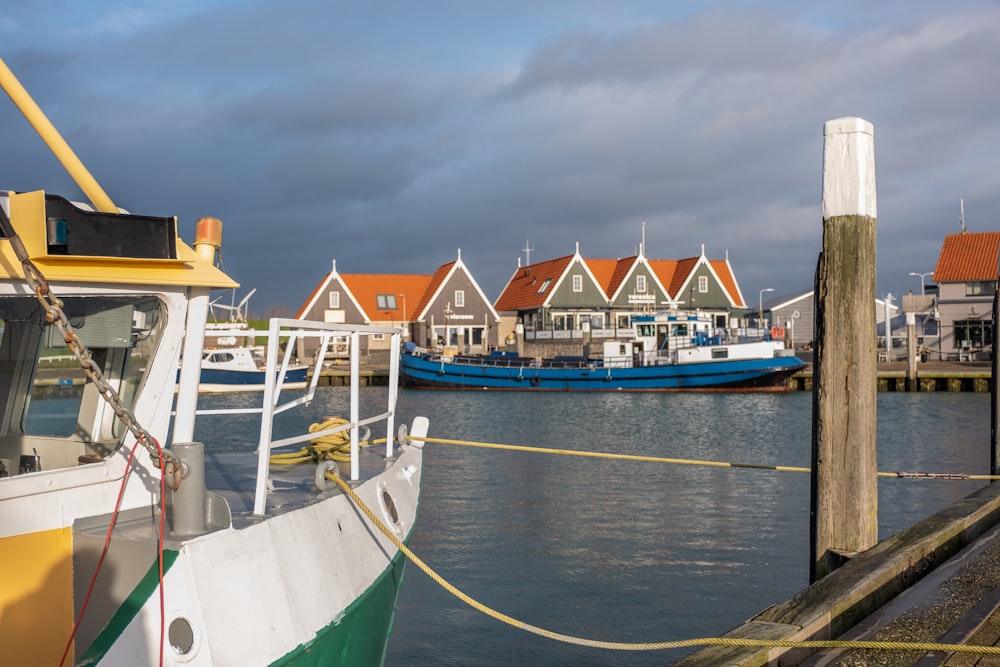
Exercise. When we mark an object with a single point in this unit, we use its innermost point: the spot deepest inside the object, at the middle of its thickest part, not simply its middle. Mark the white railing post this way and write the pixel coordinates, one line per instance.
(355, 404)
(390, 421)
(266, 420)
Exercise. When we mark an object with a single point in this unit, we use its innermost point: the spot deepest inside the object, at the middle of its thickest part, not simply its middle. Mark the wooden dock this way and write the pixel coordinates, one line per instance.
(970, 376)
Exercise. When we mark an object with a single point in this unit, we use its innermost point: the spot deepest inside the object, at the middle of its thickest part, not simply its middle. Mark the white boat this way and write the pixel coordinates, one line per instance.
(117, 549)
(234, 363)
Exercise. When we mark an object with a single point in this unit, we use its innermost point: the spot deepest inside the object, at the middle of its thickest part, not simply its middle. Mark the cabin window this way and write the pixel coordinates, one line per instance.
(644, 330)
(721, 321)
(702, 284)
(640, 284)
(334, 299)
(622, 321)
(460, 298)
(973, 333)
(720, 353)
(385, 301)
(63, 415)
(980, 288)
(577, 283)
(679, 329)
(545, 285)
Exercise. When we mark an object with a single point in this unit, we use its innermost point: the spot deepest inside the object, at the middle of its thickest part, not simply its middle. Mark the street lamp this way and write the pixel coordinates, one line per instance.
(760, 302)
(921, 276)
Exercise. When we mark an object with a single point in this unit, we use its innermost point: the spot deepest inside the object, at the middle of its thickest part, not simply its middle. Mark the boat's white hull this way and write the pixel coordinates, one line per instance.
(285, 590)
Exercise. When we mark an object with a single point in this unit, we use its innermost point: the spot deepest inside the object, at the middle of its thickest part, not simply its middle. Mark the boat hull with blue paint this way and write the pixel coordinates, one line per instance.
(666, 352)
(520, 374)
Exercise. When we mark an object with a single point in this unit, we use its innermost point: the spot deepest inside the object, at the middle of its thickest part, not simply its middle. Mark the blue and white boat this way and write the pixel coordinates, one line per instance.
(670, 351)
(236, 366)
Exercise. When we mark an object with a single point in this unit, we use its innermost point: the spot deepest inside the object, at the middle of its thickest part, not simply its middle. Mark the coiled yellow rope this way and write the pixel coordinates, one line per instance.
(336, 446)
(644, 646)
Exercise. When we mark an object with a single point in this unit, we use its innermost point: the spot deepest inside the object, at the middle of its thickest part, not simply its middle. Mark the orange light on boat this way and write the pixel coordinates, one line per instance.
(208, 237)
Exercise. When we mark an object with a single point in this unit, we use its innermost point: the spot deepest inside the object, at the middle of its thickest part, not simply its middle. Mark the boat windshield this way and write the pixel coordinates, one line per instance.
(49, 408)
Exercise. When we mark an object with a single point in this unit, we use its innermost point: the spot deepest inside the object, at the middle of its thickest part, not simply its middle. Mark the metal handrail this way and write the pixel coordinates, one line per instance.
(276, 366)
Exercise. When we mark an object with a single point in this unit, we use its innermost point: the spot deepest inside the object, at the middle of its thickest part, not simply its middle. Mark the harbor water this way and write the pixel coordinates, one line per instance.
(627, 551)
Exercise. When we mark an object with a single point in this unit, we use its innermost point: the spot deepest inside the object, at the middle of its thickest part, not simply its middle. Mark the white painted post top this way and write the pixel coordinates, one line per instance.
(849, 168)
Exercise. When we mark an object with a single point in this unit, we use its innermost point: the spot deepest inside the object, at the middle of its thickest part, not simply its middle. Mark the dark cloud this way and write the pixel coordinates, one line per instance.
(388, 136)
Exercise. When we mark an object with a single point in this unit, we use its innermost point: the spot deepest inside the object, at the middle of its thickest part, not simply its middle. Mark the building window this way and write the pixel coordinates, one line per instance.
(334, 299)
(702, 284)
(621, 321)
(545, 285)
(460, 298)
(385, 301)
(640, 284)
(980, 288)
(973, 333)
(577, 283)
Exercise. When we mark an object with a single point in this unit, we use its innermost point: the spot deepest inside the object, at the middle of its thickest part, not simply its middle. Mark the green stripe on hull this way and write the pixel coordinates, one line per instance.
(360, 635)
(127, 611)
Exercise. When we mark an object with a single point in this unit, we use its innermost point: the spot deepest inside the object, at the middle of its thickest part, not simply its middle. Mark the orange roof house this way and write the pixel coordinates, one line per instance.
(447, 305)
(968, 256)
(966, 274)
(566, 292)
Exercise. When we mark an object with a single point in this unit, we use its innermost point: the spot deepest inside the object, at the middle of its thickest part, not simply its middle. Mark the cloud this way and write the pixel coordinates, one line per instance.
(388, 135)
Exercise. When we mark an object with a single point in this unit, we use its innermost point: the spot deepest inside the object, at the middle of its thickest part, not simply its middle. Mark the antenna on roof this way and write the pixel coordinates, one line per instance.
(642, 245)
(961, 216)
(527, 252)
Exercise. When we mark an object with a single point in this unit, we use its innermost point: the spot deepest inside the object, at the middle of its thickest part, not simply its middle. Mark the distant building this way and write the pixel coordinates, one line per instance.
(797, 315)
(566, 297)
(966, 274)
(444, 308)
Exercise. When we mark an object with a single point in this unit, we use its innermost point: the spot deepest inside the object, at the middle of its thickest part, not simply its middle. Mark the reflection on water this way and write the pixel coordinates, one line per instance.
(629, 551)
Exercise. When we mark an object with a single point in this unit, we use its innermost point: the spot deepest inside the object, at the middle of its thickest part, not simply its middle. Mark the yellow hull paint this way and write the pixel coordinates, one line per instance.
(36, 597)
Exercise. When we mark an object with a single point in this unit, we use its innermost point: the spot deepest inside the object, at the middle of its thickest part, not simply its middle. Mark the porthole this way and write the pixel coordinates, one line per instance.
(181, 635)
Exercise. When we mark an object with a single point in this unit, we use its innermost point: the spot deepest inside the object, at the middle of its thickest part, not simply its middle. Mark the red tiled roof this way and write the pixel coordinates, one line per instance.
(522, 289)
(432, 287)
(312, 295)
(622, 267)
(366, 287)
(968, 256)
(665, 271)
(722, 269)
(605, 271)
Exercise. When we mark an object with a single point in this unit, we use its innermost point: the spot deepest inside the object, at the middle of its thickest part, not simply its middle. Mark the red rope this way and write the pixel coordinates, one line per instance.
(107, 545)
(104, 551)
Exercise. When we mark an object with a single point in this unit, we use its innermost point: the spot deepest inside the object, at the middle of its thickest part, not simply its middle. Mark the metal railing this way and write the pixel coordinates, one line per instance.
(276, 366)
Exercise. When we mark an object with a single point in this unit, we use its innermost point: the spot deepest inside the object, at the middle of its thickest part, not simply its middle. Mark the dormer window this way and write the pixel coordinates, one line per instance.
(385, 301)
(545, 285)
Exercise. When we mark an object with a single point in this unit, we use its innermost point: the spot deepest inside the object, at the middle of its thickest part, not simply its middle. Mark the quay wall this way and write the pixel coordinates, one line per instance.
(944, 376)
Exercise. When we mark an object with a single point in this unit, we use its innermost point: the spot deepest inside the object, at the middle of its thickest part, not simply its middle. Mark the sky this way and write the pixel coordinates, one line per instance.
(389, 135)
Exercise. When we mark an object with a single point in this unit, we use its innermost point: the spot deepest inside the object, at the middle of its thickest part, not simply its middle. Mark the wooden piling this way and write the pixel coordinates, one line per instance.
(844, 495)
(911, 352)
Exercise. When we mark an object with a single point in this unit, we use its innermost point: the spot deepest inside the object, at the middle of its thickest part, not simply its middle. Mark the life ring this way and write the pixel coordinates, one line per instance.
(778, 332)
(535, 381)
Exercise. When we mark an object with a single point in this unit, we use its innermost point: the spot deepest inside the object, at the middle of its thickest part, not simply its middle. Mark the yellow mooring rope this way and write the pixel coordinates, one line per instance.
(645, 646)
(690, 462)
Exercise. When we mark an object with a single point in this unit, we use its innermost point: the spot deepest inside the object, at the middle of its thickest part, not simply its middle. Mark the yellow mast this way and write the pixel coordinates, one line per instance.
(54, 140)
